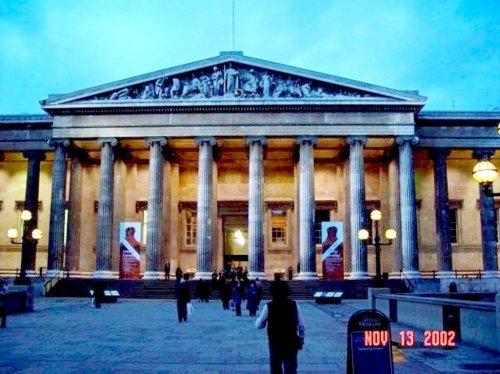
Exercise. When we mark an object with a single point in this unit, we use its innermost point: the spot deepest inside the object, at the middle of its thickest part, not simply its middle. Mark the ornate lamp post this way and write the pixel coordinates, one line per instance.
(390, 235)
(31, 236)
(485, 173)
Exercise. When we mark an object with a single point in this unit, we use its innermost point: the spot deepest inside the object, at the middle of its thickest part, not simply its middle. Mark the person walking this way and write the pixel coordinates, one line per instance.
(285, 329)
(237, 292)
(252, 299)
(225, 292)
(167, 270)
(183, 296)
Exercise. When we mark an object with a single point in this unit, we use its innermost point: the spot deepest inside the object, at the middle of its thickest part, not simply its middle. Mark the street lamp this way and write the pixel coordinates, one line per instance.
(390, 235)
(485, 173)
(30, 235)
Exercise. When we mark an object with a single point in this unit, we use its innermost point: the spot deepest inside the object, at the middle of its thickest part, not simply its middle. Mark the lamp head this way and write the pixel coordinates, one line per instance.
(37, 234)
(484, 172)
(12, 233)
(376, 215)
(363, 234)
(390, 234)
(26, 215)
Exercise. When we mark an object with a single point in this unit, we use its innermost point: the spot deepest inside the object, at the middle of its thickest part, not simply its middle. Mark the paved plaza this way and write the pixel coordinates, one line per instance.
(66, 335)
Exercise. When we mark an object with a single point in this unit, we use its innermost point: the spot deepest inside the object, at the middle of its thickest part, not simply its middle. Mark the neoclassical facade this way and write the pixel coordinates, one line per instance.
(236, 160)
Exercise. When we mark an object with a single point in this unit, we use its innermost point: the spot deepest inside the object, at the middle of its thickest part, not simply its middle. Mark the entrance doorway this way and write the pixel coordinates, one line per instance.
(235, 241)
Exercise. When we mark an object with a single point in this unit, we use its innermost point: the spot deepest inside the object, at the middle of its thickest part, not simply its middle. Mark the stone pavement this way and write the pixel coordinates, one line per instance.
(143, 336)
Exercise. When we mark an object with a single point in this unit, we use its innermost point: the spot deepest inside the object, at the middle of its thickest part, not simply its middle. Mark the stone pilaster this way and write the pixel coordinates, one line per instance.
(307, 246)
(442, 211)
(105, 210)
(359, 263)
(488, 222)
(409, 238)
(204, 213)
(28, 255)
(155, 209)
(256, 207)
(57, 206)
(395, 219)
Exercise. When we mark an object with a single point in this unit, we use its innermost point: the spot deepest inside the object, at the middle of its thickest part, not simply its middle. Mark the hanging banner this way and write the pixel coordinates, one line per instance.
(332, 251)
(130, 250)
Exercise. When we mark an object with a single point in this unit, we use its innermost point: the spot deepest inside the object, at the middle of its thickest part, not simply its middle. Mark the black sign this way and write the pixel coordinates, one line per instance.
(369, 343)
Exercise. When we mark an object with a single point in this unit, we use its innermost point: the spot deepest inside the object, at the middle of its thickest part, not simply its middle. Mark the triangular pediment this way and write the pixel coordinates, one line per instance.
(232, 77)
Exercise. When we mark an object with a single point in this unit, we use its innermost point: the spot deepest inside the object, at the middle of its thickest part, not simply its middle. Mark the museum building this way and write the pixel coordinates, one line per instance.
(234, 160)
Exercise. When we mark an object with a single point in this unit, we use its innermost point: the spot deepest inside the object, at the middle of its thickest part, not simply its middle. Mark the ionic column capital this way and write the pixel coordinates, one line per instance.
(112, 141)
(439, 152)
(411, 140)
(34, 155)
(64, 142)
(356, 139)
(302, 140)
(249, 140)
(206, 139)
(162, 141)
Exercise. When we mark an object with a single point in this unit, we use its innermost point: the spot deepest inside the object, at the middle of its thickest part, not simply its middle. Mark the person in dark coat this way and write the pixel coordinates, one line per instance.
(225, 292)
(98, 294)
(178, 274)
(285, 329)
(252, 299)
(183, 297)
(236, 295)
(167, 270)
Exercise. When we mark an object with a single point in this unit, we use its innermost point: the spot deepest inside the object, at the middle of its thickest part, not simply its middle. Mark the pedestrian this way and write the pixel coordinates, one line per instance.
(290, 273)
(183, 296)
(167, 270)
(285, 329)
(236, 295)
(98, 294)
(252, 299)
(225, 292)
(178, 274)
(3, 300)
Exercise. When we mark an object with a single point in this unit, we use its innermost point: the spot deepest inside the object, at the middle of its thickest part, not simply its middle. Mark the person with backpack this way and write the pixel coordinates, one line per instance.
(285, 329)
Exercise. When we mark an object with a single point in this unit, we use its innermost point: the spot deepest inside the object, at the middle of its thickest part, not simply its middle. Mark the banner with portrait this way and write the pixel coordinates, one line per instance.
(332, 250)
(130, 250)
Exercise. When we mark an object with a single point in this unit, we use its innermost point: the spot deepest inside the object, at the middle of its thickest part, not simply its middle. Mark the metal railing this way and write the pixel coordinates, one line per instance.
(477, 274)
(51, 282)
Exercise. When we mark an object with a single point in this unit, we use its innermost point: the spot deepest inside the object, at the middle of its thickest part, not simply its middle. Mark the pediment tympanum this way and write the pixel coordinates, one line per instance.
(231, 77)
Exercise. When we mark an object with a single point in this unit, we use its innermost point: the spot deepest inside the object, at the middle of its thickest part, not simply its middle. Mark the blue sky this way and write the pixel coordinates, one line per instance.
(448, 50)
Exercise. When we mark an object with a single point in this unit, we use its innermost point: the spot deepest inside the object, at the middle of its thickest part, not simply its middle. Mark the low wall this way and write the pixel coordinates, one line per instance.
(19, 299)
(474, 322)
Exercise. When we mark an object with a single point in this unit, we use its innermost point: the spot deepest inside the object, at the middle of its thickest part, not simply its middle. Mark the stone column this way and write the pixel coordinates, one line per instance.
(74, 218)
(204, 212)
(488, 222)
(307, 246)
(409, 238)
(28, 255)
(155, 210)
(395, 219)
(442, 210)
(105, 210)
(256, 208)
(359, 262)
(57, 205)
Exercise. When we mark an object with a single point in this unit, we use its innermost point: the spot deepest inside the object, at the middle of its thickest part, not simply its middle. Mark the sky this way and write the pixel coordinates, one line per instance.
(447, 50)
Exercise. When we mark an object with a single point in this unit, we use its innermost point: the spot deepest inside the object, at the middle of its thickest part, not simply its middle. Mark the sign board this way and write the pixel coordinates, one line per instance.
(332, 250)
(369, 343)
(130, 250)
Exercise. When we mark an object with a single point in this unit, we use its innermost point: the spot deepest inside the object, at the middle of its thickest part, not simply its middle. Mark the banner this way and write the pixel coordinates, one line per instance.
(332, 250)
(130, 250)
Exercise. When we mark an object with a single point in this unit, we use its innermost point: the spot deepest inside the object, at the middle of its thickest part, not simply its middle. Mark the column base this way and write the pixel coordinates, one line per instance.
(413, 274)
(104, 274)
(153, 275)
(306, 276)
(445, 274)
(256, 274)
(31, 273)
(203, 275)
(395, 275)
(490, 274)
(359, 275)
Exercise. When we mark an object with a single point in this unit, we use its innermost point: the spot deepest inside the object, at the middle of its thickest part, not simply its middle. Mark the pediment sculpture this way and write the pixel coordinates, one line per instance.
(232, 81)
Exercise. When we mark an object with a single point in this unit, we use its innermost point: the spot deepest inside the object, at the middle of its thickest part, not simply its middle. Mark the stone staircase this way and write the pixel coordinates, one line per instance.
(161, 289)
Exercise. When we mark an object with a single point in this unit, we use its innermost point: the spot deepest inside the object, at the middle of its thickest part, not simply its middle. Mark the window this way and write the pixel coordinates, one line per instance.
(454, 225)
(279, 227)
(320, 215)
(190, 227)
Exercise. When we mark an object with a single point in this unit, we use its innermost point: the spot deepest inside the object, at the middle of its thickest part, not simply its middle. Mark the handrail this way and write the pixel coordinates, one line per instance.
(408, 282)
(51, 282)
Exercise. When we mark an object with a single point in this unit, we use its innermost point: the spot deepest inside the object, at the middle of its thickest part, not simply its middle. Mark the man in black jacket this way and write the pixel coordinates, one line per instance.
(285, 329)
